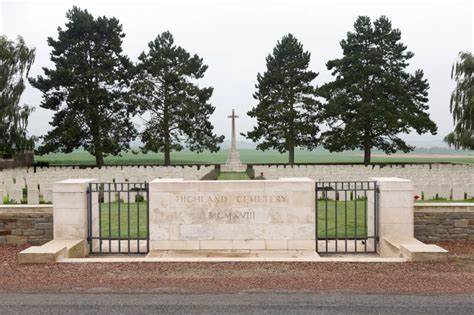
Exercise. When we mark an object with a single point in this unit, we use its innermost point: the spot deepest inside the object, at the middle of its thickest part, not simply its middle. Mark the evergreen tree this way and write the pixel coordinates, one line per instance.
(287, 112)
(165, 91)
(87, 88)
(15, 62)
(373, 99)
(462, 103)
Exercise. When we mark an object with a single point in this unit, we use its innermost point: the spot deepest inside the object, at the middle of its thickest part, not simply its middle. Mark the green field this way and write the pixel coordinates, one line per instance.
(113, 231)
(80, 157)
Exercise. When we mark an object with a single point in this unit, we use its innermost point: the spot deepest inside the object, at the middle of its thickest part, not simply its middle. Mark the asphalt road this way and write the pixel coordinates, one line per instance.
(252, 303)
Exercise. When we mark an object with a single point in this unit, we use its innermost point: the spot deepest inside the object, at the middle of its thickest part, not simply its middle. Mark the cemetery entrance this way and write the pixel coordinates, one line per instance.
(346, 217)
(118, 218)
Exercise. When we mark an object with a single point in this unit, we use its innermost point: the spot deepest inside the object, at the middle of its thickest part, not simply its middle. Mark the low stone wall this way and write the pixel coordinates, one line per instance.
(444, 221)
(20, 225)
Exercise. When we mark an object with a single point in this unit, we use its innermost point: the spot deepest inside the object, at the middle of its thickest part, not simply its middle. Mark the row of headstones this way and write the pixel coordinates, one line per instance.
(449, 186)
(455, 191)
(39, 185)
(128, 174)
(335, 167)
(467, 175)
(444, 183)
(13, 194)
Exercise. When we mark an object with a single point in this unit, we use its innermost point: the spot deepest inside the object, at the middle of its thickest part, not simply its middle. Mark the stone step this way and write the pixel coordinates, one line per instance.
(423, 252)
(415, 250)
(52, 251)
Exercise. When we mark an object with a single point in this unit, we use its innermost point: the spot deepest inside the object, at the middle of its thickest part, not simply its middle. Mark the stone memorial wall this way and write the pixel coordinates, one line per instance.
(232, 215)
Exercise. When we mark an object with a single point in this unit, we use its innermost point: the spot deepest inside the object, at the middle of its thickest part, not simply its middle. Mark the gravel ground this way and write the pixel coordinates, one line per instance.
(453, 277)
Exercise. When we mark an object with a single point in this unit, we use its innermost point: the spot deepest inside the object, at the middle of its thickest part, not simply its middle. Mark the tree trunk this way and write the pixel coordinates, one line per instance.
(166, 127)
(291, 154)
(367, 149)
(167, 155)
(99, 158)
(167, 145)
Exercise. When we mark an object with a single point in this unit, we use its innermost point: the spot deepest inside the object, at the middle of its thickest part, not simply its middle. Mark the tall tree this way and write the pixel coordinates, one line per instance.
(462, 103)
(15, 62)
(87, 88)
(287, 112)
(373, 99)
(166, 92)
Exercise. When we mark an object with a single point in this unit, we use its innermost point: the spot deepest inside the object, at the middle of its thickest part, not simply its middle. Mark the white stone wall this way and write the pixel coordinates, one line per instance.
(232, 215)
(41, 182)
(444, 180)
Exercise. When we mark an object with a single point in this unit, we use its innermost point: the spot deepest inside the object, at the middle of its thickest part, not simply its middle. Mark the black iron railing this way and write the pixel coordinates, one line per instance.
(346, 217)
(118, 218)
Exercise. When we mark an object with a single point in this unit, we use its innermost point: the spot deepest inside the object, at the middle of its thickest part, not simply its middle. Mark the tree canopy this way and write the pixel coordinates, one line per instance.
(462, 103)
(87, 88)
(287, 112)
(15, 62)
(373, 98)
(166, 92)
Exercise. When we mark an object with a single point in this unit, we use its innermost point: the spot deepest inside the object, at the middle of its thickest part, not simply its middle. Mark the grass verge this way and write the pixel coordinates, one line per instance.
(233, 176)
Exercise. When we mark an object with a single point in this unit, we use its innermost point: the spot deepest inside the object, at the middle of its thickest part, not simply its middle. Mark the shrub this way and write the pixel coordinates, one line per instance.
(6, 200)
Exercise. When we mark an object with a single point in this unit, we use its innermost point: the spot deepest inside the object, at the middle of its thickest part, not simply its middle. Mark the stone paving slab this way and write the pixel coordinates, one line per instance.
(241, 256)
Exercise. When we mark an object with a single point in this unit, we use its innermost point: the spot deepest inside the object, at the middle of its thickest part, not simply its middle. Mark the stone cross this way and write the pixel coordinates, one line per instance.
(233, 146)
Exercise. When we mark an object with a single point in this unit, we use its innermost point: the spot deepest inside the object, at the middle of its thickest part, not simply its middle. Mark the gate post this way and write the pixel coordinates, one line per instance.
(395, 214)
(70, 205)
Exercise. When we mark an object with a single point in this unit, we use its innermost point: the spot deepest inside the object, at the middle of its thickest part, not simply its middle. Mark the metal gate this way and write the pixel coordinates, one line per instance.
(346, 217)
(118, 218)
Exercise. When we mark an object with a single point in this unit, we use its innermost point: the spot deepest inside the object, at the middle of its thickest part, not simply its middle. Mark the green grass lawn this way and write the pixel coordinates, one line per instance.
(331, 215)
(135, 208)
(444, 201)
(80, 157)
(233, 176)
(347, 224)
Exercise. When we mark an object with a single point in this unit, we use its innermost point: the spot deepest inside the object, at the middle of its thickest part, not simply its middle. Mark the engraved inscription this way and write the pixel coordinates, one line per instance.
(238, 199)
(232, 215)
(224, 205)
(200, 199)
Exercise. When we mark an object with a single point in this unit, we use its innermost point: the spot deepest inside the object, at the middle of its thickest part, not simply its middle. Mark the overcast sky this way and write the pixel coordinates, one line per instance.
(234, 37)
